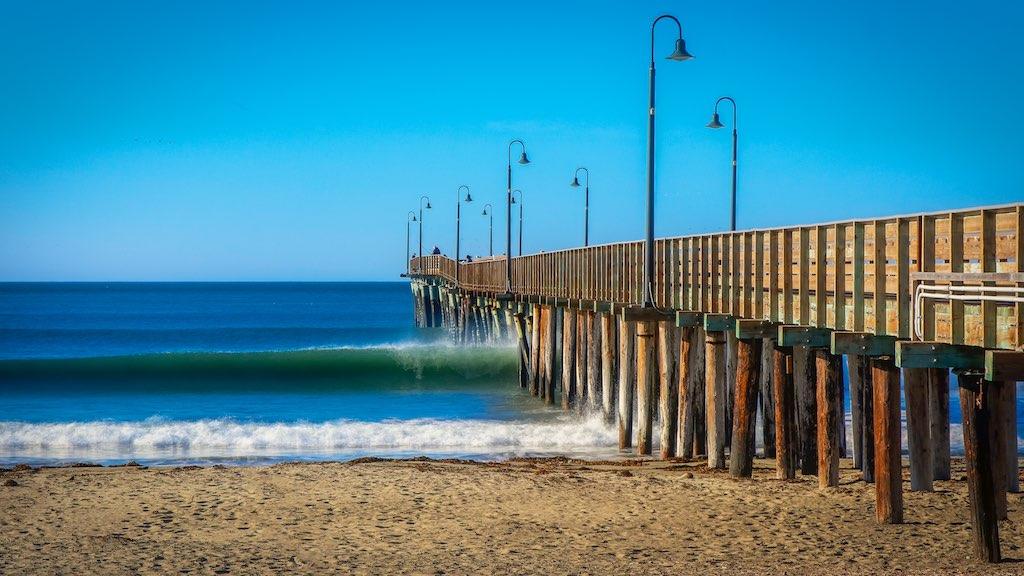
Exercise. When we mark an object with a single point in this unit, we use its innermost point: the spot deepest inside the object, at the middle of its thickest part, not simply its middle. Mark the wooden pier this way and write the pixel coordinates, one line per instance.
(753, 326)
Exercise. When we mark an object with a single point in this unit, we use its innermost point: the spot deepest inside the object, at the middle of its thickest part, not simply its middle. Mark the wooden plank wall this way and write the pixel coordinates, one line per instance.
(854, 275)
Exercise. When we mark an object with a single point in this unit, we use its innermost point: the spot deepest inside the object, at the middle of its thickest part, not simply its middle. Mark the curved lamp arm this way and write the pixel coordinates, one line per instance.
(655, 23)
(734, 112)
(577, 173)
(411, 217)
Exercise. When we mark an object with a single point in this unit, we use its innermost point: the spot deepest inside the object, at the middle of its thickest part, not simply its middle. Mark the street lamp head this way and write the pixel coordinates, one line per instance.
(414, 219)
(680, 53)
(484, 213)
(715, 122)
(468, 197)
(523, 159)
(428, 206)
(575, 182)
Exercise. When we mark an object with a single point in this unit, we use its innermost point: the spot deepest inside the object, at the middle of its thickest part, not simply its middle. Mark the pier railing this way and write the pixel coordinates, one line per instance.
(954, 277)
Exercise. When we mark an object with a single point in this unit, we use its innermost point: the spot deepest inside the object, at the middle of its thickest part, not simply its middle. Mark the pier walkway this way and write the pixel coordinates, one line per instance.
(750, 328)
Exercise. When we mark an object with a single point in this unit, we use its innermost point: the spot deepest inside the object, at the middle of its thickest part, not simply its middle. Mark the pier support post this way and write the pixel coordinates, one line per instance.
(685, 412)
(856, 414)
(919, 446)
(714, 396)
(885, 380)
(551, 367)
(645, 377)
(785, 413)
(976, 411)
(626, 382)
(829, 380)
(593, 361)
(607, 366)
(698, 388)
(804, 377)
(524, 350)
(867, 406)
(668, 391)
(535, 349)
(767, 398)
(748, 378)
(582, 338)
(1000, 432)
(568, 357)
(938, 421)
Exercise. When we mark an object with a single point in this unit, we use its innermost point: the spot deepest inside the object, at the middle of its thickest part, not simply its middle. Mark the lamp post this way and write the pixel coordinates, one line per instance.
(508, 213)
(458, 222)
(680, 54)
(411, 217)
(520, 192)
(586, 202)
(422, 198)
(715, 123)
(490, 231)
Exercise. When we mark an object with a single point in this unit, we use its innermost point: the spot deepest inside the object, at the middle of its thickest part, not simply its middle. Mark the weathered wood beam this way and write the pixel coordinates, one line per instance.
(686, 319)
(919, 445)
(719, 322)
(812, 337)
(714, 392)
(939, 355)
(1004, 366)
(747, 329)
(642, 314)
(863, 344)
(646, 374)
(668, 391)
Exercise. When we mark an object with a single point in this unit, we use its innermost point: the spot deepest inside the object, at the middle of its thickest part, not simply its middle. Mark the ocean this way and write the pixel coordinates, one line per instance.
(256, 373)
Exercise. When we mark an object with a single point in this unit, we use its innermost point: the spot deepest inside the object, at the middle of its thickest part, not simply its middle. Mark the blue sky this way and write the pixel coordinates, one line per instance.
(145, 140)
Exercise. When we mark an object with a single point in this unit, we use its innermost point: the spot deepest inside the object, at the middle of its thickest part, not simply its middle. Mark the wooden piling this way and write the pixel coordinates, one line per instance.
(607, 366)
(714, 397)
(668, 391)
(524, 351)
(885, 380)
(551, 338)
(867, 403)
(938, 421)
(535, 349)
(730, 384)
(684, 409)
(854, 365)
(1000, 422)
(976, 412)
(785, 413)
(766, 398)
(919, 445)
(582, 336)
(646, 374)
(568, 358)
(627, 381)
(748, 378)
(698, 388)
(829, 380)
(804, 378)
(1009, 394)
(593, 362)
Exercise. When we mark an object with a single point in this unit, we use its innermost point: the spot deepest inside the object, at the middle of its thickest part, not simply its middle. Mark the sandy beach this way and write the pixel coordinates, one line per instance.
(448, 517)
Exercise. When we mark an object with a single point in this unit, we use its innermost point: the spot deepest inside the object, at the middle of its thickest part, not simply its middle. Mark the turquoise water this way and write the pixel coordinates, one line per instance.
(255, 373)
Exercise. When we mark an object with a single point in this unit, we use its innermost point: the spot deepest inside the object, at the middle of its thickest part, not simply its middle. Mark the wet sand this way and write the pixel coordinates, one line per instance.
(519, 517)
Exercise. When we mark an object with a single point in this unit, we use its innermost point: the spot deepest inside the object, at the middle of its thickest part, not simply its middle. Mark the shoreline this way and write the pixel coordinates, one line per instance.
(452, 516)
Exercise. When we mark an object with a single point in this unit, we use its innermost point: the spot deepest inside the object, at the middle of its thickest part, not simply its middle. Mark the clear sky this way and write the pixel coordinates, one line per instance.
(145, 140)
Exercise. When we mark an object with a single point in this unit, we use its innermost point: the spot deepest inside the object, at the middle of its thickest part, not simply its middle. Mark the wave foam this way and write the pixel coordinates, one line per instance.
(230, 436)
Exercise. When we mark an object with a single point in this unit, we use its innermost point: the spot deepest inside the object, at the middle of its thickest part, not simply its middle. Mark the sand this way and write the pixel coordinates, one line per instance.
(520, 517)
